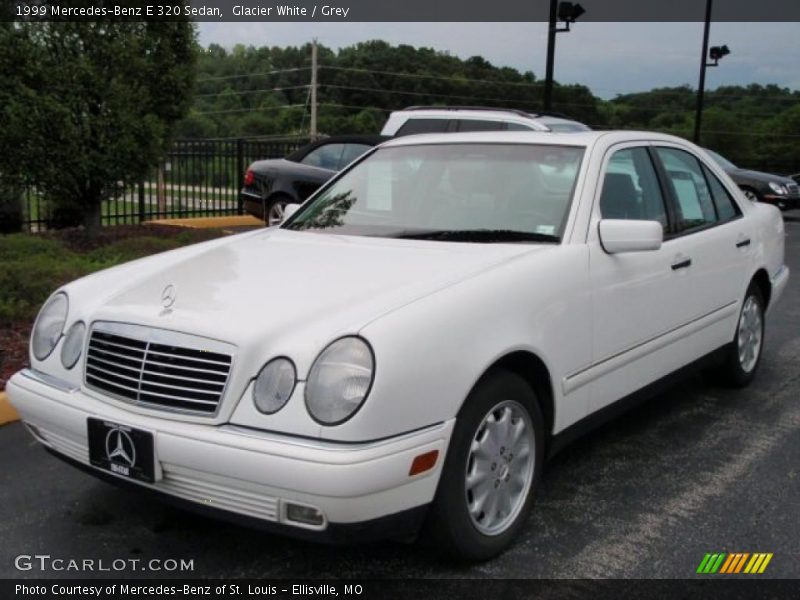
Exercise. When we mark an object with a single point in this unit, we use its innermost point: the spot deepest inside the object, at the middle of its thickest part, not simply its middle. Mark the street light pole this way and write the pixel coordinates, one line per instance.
(702, 83)
(551, 50)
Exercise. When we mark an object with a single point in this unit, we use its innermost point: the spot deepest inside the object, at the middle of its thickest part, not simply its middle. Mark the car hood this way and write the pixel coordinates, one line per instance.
(760, 176)
(275, 282)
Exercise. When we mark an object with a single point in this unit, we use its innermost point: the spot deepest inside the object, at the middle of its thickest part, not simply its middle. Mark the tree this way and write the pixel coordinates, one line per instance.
(86, 106)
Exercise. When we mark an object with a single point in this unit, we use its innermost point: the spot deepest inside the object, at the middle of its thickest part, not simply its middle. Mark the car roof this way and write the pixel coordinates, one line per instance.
(572, 138)
(509, 115)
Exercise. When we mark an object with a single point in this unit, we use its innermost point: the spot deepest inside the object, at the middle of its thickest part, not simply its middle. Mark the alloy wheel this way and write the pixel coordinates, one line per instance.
(749, 337)
(500, 465)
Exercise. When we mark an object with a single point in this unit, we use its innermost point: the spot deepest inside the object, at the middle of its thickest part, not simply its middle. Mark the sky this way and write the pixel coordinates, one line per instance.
(610, 58)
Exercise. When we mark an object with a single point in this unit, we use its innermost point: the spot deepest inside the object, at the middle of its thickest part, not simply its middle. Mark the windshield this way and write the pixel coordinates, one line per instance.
(451, 192)
(722, 161)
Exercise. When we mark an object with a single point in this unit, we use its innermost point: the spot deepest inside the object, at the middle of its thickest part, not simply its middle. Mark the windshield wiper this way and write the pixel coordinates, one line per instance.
(485, 236)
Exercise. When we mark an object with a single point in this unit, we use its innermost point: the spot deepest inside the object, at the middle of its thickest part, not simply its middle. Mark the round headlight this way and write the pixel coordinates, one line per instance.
(274, 385)
(340, 380)
(73, 345)
(778, 188)
(49, 326)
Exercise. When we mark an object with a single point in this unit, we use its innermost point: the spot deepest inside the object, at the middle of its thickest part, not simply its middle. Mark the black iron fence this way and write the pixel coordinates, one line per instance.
(198, 178)
(201, 178)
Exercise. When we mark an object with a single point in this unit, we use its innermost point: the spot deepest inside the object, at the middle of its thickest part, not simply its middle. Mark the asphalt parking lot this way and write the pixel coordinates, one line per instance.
(695, 470)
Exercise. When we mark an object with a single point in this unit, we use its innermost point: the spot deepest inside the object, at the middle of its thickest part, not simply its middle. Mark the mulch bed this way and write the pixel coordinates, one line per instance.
(13, 349)
(14, 336)
(77, 240)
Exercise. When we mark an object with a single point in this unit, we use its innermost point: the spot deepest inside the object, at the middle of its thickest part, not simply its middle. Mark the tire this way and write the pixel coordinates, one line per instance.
(744, 354)
(460, 522)
(274, 211)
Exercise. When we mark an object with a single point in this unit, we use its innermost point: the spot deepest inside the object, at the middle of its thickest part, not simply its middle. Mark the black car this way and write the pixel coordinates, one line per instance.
(796, 177)
(781, 191)
(269, 185)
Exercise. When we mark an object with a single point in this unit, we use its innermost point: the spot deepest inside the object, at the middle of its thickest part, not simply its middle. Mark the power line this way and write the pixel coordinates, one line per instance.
(245, 92)
(353, 106)
(718, 95)
(437, 77)
(426, 94)
(240, 110)
(791, 96)
(261, 74)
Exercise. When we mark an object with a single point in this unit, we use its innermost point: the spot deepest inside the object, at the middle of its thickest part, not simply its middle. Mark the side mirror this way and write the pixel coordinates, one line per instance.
(289, 211)
(628, 235)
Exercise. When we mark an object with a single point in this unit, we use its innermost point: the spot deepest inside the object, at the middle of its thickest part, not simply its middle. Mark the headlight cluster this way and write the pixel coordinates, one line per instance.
(274, 385)
(338, 383)
(778, 188)
(73, 344)
(49, 327)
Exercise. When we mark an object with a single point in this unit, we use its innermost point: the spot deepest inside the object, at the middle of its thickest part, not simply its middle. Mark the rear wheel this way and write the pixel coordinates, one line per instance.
(275, 211)
(492, 467)
(744, 354)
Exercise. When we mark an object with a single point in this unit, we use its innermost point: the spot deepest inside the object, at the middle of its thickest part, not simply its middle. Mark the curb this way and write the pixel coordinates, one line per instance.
(7, 412)
(212, 222)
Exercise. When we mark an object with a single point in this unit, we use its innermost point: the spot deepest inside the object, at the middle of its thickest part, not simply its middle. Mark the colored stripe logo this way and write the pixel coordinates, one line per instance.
(733, 563)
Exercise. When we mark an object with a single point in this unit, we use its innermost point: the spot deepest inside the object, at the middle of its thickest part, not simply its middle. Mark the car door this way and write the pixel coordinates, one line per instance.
(638, 298)
(715, 238)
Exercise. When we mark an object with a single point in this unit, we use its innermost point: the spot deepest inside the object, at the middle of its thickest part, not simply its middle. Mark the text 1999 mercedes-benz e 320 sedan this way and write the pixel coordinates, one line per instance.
(411, 342)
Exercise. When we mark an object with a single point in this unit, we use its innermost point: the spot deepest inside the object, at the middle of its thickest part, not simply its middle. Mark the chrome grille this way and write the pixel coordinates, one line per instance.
(144, 369)
(793, 189)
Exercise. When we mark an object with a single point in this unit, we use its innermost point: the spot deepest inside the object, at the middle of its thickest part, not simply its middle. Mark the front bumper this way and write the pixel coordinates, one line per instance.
(789, 202)
(249, 473)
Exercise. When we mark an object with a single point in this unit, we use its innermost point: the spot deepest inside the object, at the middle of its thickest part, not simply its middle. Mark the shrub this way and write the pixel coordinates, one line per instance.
(25, 283)
(131, 248)
(22, 246)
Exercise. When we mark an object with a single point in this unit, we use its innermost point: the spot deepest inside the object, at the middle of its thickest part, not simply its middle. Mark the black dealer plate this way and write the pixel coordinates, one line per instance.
(121, 449)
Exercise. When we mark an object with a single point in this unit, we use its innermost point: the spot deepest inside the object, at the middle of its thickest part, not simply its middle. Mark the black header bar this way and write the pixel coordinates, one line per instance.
(336, 11)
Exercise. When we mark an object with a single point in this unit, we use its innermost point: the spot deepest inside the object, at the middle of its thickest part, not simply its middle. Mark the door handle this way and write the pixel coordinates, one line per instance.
(685, 263)
(743, 243)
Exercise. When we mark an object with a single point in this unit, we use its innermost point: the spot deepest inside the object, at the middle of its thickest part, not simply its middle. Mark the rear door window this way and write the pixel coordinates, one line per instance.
(690, 189)
(414, 126)
(726, 207)
(477, 125)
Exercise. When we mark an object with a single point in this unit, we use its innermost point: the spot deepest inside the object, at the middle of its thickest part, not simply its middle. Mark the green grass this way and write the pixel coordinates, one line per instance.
(33, 266)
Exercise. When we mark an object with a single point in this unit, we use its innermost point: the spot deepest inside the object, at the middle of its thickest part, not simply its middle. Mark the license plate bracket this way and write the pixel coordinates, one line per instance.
(121, 449)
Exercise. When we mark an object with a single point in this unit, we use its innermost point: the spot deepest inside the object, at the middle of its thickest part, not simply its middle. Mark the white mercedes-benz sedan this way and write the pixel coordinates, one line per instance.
(413, 341)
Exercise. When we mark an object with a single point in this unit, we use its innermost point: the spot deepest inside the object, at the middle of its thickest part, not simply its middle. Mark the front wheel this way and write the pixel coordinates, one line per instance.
(491, 470)
(744, 354)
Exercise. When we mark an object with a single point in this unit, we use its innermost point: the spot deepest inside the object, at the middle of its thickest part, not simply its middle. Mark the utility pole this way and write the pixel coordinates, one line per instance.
(702, 83)
(551, 47)
(313, 131)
